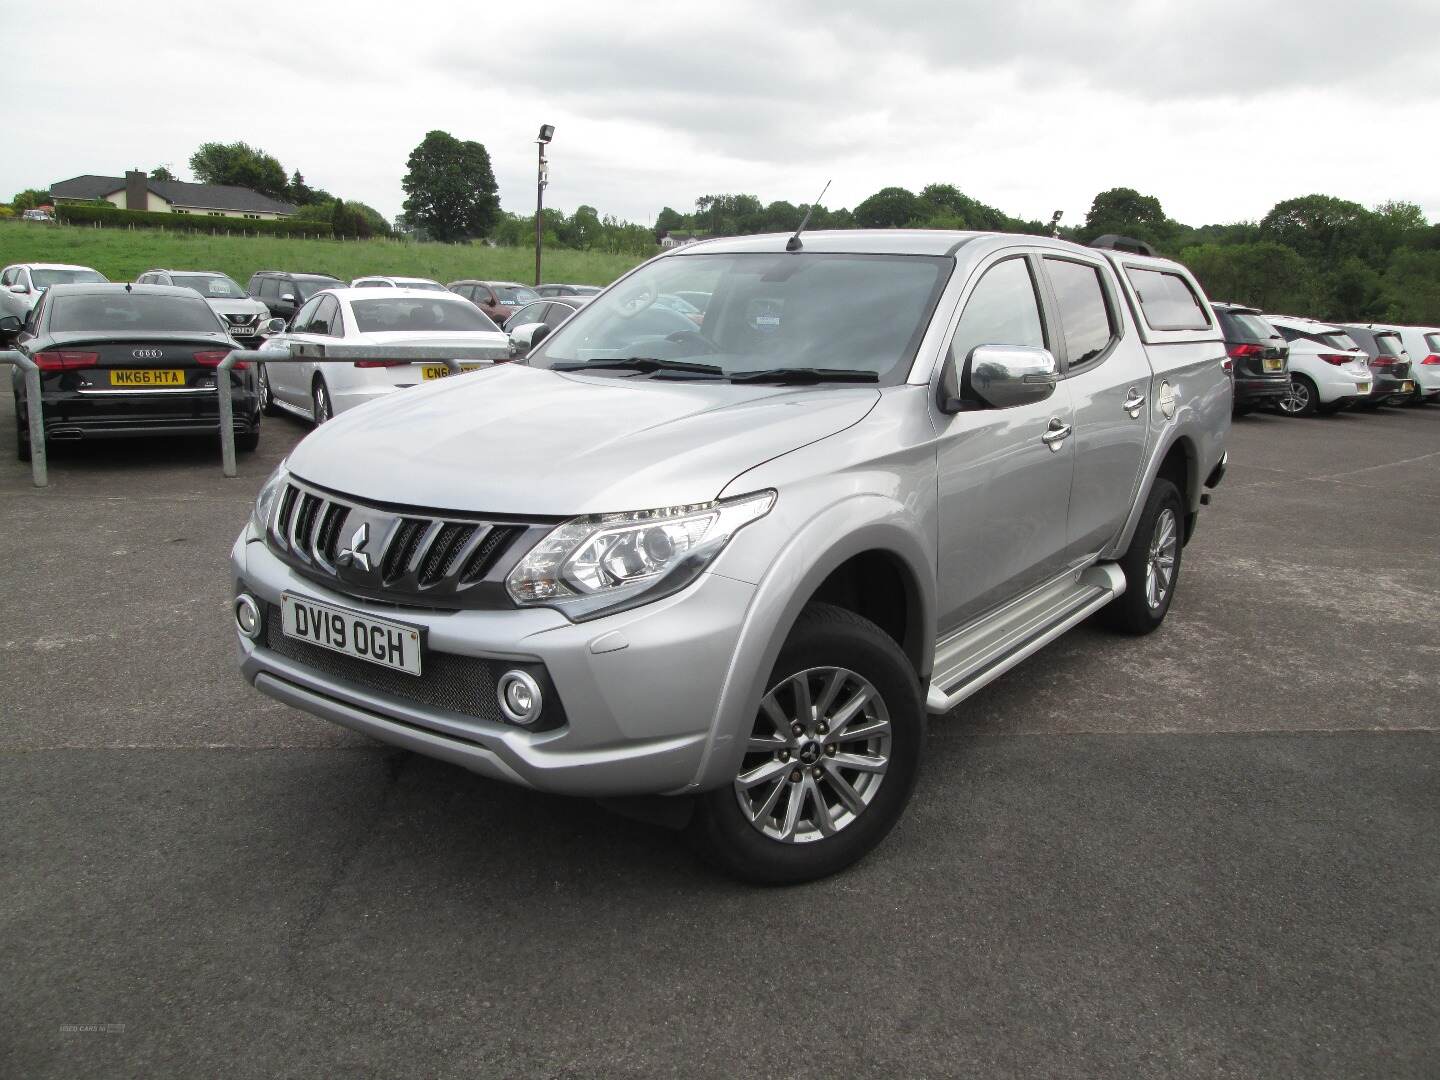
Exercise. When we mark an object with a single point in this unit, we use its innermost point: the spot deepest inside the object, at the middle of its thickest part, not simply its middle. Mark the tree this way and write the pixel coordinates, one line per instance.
(1266, 275)
(667, 220)
(1125, 211)
(450, 189)
(1412, 289)
(162, 172)
(29, 199)
(299, 192)
(890, 208)
(240, 165)
(1321, 228)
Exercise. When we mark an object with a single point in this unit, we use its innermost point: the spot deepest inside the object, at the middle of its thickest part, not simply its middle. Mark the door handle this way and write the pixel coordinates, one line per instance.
(1056, 433)
(1133, 403)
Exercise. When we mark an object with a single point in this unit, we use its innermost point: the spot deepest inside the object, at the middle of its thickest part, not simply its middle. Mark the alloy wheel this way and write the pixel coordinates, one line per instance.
(322, 404)
(1297, 400)
(264, 380)
(1160, 566)
(817, 755)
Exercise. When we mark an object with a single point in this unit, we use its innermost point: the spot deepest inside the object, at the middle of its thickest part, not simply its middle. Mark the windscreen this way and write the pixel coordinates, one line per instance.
(855, 313)
(309, 287)
(515, 294)
(43, 279)
(214, 286)
(401, 313)
(1339, 340)
(1389, 345)
(1432, 342)
(120, 311)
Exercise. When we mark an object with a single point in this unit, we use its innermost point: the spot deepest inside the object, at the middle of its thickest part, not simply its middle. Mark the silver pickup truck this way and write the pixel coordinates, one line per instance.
(736, 559)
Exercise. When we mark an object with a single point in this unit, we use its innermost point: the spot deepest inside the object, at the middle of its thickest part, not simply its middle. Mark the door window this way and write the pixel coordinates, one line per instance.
(1086, 323)
(270, 288)
(323, 318)
(1168, 300)
(530, 313)
(1003, 310)
(555, 314)
(8, 277)
(301, 323)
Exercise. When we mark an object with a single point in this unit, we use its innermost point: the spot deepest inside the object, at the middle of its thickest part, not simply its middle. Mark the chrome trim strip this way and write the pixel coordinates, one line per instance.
(142, 393)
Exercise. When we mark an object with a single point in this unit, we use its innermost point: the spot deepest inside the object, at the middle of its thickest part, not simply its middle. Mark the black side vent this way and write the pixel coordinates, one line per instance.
(437, 559)
(328, 538)
(490, 549)
(402, 548)
(305, 523)
(287, 508)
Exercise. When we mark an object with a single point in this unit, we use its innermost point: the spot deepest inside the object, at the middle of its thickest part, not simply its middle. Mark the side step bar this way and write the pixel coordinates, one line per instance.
(977, 654)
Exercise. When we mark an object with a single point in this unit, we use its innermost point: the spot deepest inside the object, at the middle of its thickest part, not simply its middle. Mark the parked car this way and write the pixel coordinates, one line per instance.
(529, 325)
(1389, 365)
(396, 283)
(556, 289)
(318, 391)
(22, 284)
(283, 293)
(737, 567)
(498, 299)
(122, 360)
(1328, 371)
(1257, 355)
(37, 215)
(1422, 345)
(243, 317)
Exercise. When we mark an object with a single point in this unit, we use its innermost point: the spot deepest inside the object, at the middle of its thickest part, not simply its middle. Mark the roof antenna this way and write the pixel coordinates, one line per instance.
(793, 244)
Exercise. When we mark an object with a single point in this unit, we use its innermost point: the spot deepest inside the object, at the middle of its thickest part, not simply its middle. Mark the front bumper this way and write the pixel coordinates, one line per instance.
(640, 689)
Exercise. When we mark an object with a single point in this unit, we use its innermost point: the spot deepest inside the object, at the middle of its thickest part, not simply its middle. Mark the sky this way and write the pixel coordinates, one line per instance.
(1220, 108)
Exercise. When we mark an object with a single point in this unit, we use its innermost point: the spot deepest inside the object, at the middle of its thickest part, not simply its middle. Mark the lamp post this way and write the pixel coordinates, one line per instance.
(1055, 223)
(542, 177)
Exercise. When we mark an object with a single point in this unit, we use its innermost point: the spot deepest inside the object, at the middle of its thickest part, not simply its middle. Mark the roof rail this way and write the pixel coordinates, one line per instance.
(1116, 242)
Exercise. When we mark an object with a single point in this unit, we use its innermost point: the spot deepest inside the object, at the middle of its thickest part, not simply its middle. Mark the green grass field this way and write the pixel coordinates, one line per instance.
(121, 254)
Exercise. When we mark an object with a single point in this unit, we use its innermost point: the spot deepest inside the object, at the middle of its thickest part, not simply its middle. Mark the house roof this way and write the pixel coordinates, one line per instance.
(178, 192)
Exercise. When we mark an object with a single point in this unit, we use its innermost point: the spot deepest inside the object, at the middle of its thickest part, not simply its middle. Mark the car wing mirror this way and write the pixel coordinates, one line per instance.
(289, 298)
(19, 290)
(274, 326)
(1004, 376)
(526, 337)
(10, 325)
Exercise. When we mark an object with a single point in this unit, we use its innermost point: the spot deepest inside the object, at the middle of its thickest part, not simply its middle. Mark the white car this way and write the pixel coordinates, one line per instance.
(22, 284)
(1327, 370)
(397, 283)
(1423, 345)
(372, 317)
(244, 317)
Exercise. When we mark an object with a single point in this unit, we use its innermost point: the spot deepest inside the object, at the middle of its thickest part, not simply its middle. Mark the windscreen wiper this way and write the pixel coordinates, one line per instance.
(804, 376)
(646, 364)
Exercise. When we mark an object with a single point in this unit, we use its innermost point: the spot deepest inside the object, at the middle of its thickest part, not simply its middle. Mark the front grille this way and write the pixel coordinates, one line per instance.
(393, 555)
(464, 685)
(242, 320)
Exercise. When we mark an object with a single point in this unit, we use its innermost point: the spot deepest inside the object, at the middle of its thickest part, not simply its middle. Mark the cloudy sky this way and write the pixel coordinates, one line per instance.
(1219, 107)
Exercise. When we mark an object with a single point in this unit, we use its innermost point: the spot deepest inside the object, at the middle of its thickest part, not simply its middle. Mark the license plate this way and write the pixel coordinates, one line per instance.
(146, 377)
(380, 641)
(439, 371)
(1407, 387)
(1274, 365)
(1363, 387)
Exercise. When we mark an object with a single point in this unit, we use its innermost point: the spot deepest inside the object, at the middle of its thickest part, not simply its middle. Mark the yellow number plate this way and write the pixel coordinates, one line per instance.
(439, 371)
(146, 377)
(1407, 387)
(1363, 387)
(1274, 365)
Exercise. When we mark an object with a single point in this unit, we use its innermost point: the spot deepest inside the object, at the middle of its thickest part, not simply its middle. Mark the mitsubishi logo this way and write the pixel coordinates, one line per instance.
(354, 555)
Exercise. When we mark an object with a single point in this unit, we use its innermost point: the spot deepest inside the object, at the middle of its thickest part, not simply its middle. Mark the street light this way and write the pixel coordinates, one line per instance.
(542, 177)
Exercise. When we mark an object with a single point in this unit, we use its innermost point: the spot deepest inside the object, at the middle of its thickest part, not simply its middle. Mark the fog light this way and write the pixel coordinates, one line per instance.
(520, 697)
(247, 616)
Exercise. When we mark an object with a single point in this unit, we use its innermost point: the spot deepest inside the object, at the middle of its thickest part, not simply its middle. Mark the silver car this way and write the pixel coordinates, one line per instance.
(243, 316)
(735, 565)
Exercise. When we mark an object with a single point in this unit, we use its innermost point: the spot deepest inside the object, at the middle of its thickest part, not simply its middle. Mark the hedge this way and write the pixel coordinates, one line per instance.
(115, 218)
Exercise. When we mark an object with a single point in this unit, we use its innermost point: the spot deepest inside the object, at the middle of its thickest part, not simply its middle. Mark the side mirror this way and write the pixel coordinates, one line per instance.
(274, 326)
(10, 325)
(524, 338)
(289, 298)
(1004, 376)
(19, 290)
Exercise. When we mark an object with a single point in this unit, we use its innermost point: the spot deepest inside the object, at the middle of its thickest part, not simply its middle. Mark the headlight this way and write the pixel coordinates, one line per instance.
(595, 565)
(265, 501)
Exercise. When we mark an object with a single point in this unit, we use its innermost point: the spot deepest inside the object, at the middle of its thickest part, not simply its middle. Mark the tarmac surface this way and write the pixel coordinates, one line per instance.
(1214, 851)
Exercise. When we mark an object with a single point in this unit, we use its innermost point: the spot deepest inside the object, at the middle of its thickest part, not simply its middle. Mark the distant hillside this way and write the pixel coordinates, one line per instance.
(121, 254)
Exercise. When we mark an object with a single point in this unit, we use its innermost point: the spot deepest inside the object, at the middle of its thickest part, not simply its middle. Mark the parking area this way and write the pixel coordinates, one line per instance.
(1212, 851)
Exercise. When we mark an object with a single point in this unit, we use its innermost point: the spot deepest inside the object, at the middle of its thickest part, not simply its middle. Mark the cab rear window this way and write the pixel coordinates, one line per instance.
(1168, 301)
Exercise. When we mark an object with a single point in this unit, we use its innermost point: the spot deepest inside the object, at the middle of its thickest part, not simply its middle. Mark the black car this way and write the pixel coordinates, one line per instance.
(1258, 357)
(284, 293)
(120, 360)
(556, 289)
(1389, 366)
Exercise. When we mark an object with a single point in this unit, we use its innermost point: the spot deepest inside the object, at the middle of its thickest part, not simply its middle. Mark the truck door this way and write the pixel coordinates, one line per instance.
(1108, 375)
(1004, 487)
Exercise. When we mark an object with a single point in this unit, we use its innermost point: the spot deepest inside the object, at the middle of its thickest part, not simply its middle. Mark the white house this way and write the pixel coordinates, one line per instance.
(136, 191)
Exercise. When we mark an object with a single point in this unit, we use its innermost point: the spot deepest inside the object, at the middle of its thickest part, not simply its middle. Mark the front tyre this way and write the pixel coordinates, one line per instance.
(267, 396)
(1151, 564)
(1302, 400)
(321, 408)
(831, 759)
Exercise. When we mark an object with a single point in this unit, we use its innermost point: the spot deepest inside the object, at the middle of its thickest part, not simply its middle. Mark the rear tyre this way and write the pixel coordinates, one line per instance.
(1151, 564)
(1303, 399)
(247, 441)
(832, 756)
(321, 407)
(267, 396)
